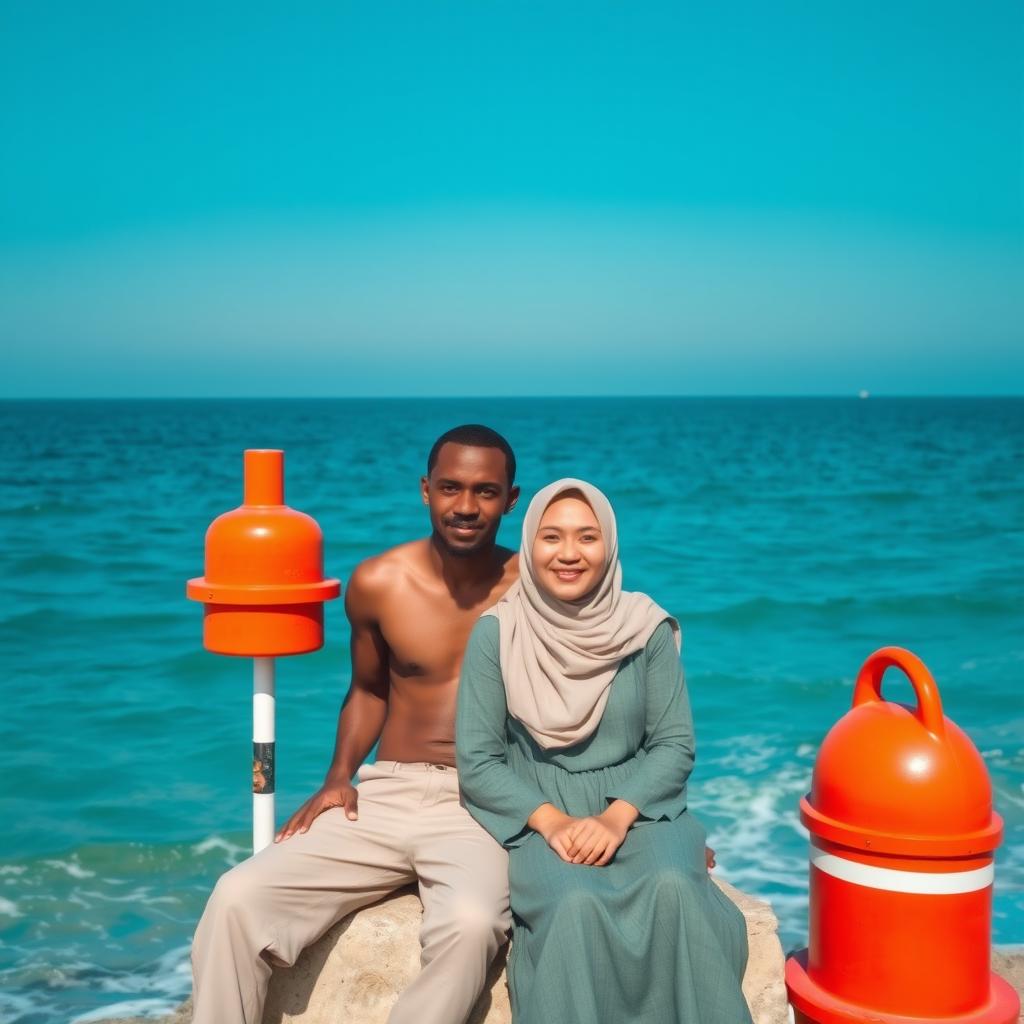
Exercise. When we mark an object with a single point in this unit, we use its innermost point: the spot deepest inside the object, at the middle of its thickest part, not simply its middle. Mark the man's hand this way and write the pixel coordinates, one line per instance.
(340, 794)
(709, 857)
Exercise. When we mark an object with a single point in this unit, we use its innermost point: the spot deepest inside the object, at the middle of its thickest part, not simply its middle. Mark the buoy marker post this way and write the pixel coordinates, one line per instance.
(263, 593)
(263, 740)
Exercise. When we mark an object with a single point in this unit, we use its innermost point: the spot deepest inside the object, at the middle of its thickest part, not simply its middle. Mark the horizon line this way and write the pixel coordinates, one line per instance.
(855, 396)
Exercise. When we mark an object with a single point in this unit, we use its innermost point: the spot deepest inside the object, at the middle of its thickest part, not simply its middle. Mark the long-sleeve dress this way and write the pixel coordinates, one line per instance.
(648, 937)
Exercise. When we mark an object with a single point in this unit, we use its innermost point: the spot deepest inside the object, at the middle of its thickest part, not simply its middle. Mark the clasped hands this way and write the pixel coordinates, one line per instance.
(592, 840)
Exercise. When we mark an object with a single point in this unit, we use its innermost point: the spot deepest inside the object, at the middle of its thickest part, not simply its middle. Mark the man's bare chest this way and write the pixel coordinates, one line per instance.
(427, 639)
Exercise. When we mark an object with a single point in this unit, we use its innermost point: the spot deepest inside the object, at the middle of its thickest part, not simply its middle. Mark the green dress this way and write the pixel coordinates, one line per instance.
(647, 937)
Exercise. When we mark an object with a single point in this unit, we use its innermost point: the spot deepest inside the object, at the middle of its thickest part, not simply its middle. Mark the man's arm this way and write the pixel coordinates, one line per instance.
(366, 706)
(364, 709)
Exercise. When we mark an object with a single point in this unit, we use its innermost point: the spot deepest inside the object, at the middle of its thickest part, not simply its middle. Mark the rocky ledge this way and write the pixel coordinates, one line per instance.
(355, 972)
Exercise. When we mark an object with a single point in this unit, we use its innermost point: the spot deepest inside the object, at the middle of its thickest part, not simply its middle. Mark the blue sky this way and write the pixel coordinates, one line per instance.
(485, 198)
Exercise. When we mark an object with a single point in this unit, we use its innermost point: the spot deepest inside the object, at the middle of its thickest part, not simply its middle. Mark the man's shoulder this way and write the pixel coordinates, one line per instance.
(380, 573)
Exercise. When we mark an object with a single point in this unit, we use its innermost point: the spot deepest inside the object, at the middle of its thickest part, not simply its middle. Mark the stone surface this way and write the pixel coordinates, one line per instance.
(1009, 964)
(763, 983)
(363, 994)
(354, 973)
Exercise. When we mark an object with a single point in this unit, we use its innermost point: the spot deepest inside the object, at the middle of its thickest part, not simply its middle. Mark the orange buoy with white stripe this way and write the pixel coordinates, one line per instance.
(902, 842)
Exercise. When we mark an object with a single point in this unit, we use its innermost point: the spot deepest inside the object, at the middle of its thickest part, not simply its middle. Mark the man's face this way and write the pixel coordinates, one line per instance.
(467, 493)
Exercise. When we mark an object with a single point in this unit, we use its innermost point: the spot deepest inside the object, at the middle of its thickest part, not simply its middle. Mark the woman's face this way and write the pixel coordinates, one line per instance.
(568, 551)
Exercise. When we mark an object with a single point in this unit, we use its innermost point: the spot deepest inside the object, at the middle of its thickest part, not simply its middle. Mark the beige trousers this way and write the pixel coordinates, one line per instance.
(411, 827)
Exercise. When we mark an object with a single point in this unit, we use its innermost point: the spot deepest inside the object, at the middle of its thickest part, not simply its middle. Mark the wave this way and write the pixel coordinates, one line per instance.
(71, 867)
(895, 497)
(756, 610)
(50, 563)
(42, 509)
(80, 925)
(129, 1008)
(45, 617)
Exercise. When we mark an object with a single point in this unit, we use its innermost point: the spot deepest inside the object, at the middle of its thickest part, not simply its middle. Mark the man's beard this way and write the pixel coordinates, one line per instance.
(482, 544)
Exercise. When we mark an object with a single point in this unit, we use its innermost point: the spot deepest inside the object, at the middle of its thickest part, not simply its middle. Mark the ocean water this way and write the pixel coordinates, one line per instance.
(790, 537)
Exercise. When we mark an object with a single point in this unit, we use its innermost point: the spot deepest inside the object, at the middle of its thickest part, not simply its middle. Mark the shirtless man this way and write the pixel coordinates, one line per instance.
(411, 610)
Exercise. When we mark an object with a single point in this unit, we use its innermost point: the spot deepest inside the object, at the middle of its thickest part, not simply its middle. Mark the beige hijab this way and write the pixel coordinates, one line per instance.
(558, 658)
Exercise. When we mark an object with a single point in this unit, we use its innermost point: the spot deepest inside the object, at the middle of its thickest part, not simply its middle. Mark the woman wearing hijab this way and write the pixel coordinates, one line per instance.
(574, 742)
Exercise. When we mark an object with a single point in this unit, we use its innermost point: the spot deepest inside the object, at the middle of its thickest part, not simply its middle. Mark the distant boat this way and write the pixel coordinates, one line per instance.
(863, 394)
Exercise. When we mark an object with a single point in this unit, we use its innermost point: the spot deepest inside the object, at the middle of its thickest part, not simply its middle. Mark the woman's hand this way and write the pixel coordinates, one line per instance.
(555, 826)
(596, 839)
(592, 840)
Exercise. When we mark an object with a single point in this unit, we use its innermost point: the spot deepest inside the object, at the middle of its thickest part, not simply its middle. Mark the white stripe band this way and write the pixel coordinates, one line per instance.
(925, 882)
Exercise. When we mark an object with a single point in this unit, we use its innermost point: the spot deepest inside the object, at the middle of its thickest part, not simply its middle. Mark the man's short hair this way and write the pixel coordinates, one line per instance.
(474, 435)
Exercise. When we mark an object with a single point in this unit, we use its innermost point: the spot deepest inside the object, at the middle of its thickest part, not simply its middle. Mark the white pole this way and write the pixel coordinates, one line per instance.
(263, 756)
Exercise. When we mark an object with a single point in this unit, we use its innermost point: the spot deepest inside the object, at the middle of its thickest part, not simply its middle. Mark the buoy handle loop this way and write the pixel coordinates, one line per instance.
(868, 687)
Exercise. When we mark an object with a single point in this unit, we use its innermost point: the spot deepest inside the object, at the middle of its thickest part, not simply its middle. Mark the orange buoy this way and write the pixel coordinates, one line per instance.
(263, 593)
(264, 588)
(902, 842)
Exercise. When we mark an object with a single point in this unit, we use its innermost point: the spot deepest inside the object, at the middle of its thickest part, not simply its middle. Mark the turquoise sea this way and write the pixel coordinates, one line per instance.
(791, 537)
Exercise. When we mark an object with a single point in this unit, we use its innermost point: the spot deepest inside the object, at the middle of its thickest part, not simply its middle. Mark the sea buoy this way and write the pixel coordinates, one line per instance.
(902, 842)
(262, 592)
